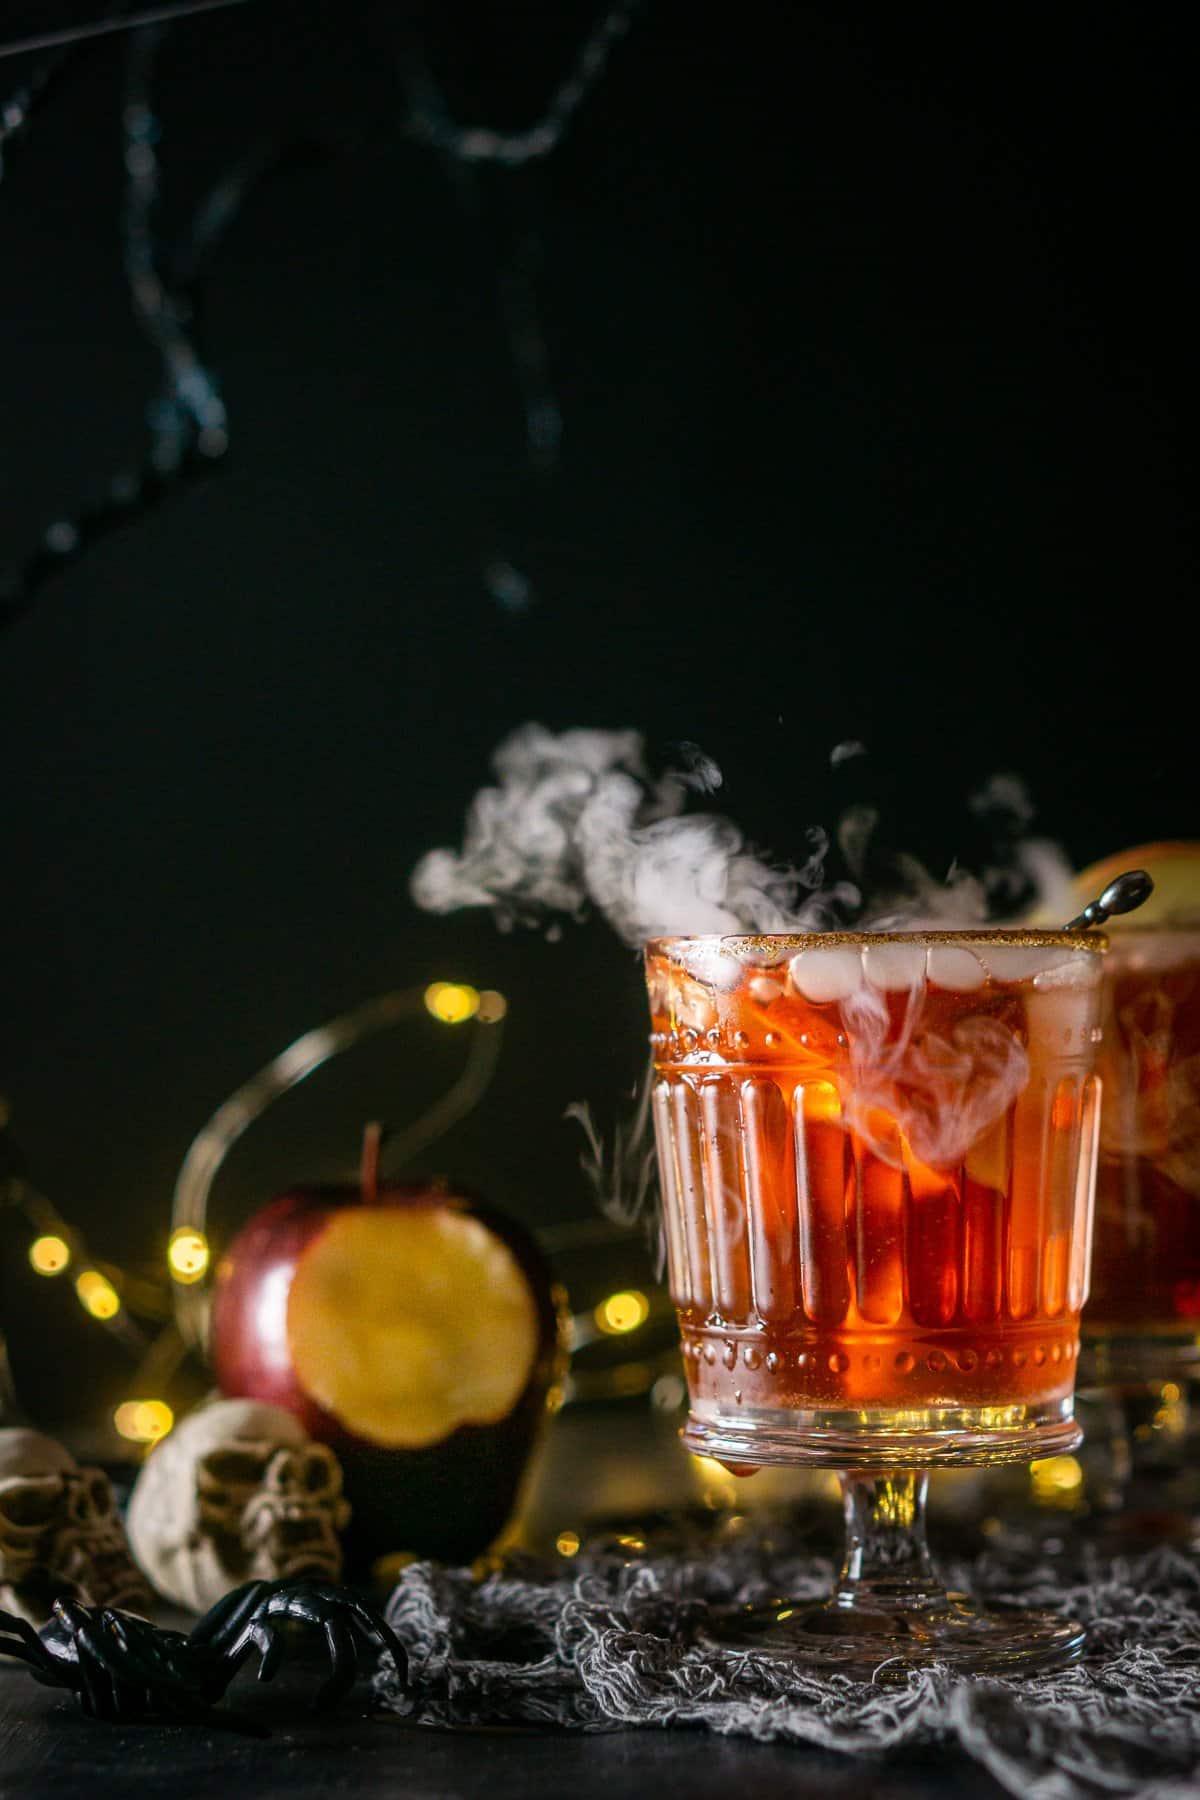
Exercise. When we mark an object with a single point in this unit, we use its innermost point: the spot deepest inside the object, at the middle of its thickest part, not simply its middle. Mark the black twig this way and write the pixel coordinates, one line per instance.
(430, 121)
(187, 419)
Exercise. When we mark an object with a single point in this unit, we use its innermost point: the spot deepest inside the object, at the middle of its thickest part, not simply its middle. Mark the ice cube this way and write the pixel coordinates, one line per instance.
(693, 1007)
(764, 990)
(892, 966)
(1059, 1020)
(760, 953)
(711, 965)
(823, 975)
(957, 969)
(1077, 970)
(1021, 962)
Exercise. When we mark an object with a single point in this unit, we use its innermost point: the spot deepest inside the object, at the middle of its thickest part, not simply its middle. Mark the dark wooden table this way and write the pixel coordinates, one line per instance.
(47, 1748)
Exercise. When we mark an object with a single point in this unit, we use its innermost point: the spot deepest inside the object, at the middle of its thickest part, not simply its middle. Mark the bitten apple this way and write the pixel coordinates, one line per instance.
(412, 1329)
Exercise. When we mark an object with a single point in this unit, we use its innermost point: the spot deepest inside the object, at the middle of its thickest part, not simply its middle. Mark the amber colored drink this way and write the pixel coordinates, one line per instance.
(877, 1159)
(1146, 1272)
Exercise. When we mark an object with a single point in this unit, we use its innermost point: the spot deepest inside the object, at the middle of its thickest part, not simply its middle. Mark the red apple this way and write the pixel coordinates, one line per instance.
(412, 1329)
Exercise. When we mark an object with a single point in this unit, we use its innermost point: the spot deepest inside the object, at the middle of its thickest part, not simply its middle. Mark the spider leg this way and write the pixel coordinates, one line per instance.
(131, 1678)
(155, 1661)
(19, 1639)
(359, 1612)
(375, 1633)
(98, 1691)
(274, 1649)
(343, 1663)
(224, 1621)
(371, 1627)
(270, 1643)
(379, 1632)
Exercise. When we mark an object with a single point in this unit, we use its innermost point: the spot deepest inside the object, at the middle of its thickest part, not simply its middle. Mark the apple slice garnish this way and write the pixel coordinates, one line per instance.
(406, 1323)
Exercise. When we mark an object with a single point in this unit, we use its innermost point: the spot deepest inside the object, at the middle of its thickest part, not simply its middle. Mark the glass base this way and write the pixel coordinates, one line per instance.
(878, 1639)
(889, 1613)
(925, 1438)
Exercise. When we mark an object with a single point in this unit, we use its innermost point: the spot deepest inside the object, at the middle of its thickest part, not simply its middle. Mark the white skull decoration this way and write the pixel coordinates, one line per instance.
(237, 1492)
(60, 1532)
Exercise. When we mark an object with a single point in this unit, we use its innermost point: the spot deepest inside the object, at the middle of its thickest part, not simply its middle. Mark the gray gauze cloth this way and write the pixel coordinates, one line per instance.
(609, 1641)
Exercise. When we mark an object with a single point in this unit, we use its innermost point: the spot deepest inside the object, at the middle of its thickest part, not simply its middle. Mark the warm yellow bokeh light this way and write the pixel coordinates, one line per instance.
(622, 1312)
(49, 1255)
(143, 1421)
(718, 1488)
(1056, 1479)
(97, 1294)
(452, 1002)
(187, 1255)
(567, 1543)
(492, 1006)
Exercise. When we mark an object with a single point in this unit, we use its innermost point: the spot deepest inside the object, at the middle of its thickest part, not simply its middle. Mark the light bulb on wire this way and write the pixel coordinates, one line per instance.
(50, 1254)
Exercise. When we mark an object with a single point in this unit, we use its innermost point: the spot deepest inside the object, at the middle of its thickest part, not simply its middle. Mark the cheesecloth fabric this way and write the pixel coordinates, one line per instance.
(609, 1640)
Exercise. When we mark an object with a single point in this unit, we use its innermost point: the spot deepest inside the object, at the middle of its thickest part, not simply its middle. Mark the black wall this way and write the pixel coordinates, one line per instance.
(871, 334)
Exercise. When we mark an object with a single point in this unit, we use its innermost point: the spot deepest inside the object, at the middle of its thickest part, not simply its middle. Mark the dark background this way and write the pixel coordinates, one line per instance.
(871, 335)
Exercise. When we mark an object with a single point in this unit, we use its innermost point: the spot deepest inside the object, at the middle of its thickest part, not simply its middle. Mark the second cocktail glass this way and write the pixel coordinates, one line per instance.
(877, 1161)
(1141, 1329)
(1145, 1302)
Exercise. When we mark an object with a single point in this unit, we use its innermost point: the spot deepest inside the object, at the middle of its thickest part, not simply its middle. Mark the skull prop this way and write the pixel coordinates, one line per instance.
(60, 1533)
(237, 1492)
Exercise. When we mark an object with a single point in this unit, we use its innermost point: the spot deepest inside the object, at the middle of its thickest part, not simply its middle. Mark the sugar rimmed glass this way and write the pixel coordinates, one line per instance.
(877, 1157)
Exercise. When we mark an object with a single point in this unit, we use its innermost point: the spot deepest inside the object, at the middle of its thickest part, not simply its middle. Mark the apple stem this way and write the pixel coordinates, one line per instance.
(369, 1167)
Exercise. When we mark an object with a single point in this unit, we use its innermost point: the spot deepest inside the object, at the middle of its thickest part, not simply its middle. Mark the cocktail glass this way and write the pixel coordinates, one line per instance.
(877, 1161)
(1141, 1326)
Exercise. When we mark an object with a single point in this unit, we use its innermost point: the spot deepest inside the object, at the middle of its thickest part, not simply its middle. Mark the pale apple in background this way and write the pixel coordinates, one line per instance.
(1174, 868)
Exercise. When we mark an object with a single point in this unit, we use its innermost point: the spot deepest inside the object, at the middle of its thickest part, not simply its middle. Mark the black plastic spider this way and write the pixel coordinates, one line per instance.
(124, 1668)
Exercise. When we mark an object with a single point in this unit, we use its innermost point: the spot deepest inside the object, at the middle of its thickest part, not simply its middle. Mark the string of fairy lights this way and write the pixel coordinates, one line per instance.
(159, 1321)
(148, 1317)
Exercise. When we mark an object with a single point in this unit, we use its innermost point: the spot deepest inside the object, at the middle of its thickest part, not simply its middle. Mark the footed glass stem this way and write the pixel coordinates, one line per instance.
(889, 1612)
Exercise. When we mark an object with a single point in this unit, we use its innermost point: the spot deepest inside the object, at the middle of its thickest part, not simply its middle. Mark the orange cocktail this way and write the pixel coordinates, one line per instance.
(876, 1155)
(1146, 1280)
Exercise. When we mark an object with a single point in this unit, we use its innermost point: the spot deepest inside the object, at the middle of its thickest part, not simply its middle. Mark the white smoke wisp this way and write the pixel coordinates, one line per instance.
(1034, 869)
(942, 1088)
(1027, 877)
(1049, 875)
(575, 820)
(623, 1171)
(1159, 1122)
(915, 900)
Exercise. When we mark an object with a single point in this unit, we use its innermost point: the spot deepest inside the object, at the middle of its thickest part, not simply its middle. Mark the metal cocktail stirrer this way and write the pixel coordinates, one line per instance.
(1123, 895)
